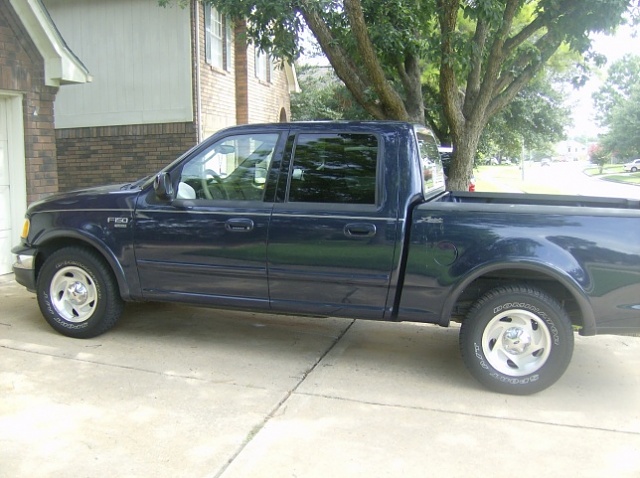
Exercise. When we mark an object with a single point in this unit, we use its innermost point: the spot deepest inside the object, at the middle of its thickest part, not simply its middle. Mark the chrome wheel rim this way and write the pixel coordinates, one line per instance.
(516, 343)
(73, 294)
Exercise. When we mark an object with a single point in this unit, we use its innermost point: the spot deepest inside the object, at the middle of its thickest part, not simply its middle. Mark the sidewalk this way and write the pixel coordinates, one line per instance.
(176, 391)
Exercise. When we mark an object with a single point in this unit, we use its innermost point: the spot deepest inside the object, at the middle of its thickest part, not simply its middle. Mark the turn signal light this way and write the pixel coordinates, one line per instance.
(25, 229)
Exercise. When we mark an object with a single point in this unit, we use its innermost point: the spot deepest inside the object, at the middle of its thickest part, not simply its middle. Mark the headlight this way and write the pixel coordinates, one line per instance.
(25, 229)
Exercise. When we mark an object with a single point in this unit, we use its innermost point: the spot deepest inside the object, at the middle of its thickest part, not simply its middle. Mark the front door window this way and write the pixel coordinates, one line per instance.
(234, 168)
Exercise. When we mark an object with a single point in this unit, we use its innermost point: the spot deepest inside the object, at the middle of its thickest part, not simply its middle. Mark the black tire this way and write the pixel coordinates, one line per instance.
(78, 294)
(517, 340)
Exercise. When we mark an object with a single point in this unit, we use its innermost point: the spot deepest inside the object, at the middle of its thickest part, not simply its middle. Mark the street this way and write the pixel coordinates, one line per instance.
(177, 391)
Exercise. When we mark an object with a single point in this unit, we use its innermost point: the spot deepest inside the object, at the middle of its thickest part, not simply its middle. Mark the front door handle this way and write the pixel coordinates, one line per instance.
(239, 225)
(360, 230)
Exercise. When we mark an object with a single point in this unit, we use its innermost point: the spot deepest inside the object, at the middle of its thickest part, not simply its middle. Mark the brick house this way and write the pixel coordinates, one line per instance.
(163, 79)
(34, 63)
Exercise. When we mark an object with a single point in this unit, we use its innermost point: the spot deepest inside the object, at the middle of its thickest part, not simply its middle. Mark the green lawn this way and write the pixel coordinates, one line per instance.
(608, 169)
(494, 179)
(627, 178)
(497, 178)
(615, 173)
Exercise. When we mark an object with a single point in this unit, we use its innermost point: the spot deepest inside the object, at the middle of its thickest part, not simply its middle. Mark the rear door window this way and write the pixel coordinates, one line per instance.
(335, 168)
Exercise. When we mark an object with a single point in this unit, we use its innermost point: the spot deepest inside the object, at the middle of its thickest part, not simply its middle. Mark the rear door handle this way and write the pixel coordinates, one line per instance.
(239, 225)
(360, 230)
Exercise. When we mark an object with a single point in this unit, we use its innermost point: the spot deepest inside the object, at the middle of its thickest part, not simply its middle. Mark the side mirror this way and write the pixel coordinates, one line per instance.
(162, 186)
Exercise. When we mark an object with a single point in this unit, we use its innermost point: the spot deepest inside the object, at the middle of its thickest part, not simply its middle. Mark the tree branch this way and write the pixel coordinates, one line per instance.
(410, 74)
(341, 63)
(550, 44)
(475, 75)
(496, 57)
(390, 99)
(545, 20)
(448, 13)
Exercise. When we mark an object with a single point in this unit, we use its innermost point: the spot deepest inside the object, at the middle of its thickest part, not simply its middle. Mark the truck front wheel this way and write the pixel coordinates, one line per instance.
(517, 340)
(78, 294)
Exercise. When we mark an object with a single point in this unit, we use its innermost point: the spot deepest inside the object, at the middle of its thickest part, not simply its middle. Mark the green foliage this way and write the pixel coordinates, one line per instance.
(618, 106)
(465, 60)
(536, 116)
(621, 77)
(599, 155)
(323, 97)
(623, 139)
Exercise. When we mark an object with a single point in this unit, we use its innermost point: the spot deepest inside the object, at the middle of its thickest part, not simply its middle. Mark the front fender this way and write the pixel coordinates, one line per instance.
(51, 240)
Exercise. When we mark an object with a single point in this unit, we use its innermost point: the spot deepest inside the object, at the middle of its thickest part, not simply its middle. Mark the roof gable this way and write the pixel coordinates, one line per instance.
(61, 66)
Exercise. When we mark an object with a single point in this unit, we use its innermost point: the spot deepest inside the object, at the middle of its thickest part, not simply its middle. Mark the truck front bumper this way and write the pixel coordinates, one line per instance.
(24, 267)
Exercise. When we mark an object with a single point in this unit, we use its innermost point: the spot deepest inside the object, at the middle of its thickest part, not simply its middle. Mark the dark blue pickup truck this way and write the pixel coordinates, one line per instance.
(346, 219)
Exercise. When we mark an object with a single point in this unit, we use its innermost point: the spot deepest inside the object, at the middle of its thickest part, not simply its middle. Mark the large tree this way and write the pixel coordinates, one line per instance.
(618, 109)
(622, 140)
(622, 77)
(485, 51)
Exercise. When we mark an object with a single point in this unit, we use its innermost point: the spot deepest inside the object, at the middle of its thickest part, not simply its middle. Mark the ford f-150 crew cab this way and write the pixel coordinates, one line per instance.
(347, 219)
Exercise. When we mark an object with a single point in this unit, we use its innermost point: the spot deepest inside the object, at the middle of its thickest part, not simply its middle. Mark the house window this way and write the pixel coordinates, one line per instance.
(217, 38)
(264, 66)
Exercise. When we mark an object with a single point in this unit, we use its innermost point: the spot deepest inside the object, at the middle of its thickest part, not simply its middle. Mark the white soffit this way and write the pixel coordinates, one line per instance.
(292, 78)
(61, 66)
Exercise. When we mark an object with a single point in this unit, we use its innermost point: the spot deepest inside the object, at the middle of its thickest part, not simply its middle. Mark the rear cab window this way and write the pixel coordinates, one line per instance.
(432, 173)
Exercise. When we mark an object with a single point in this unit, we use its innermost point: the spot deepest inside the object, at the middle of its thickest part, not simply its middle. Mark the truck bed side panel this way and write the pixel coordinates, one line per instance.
(594, 254)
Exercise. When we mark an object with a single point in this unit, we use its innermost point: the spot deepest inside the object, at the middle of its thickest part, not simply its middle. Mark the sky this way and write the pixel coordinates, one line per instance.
(626, 40)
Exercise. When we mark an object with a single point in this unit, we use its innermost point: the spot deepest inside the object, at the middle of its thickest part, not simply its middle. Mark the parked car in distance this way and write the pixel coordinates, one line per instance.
(632, 166)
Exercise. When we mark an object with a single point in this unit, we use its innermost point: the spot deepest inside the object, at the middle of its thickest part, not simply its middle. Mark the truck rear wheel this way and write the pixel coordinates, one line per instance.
(78, 294)
(517, 340)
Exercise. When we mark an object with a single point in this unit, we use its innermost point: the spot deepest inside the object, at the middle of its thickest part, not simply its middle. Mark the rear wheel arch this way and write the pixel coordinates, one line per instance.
(555, 283)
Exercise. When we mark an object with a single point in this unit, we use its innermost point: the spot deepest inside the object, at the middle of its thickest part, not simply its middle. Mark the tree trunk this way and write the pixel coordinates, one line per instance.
(410, 73)
(466, 144)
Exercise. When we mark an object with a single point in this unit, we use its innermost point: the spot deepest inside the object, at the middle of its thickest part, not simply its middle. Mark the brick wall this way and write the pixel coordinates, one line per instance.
(22, 71)
(242, 74)
(115, 154)
(266, 99)
(237, 96)
(217, 88)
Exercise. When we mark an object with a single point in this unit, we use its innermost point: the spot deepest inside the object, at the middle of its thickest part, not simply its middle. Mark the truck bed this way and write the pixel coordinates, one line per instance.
(538, 200)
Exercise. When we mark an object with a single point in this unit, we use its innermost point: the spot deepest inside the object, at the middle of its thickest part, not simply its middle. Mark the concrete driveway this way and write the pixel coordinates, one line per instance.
(176, 391)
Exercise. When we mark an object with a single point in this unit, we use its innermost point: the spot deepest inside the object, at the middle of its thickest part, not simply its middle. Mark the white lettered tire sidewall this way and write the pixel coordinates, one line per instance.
(77, 293)
(516, 340)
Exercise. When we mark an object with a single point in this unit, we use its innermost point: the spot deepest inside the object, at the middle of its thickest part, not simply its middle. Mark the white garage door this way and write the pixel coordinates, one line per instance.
(13, 185)
(5, 192)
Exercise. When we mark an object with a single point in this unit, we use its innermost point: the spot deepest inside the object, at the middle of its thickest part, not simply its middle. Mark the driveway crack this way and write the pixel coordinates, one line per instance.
(274, 411)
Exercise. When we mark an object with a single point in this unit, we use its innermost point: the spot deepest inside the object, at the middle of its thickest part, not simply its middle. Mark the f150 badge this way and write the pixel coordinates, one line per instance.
(118, 221)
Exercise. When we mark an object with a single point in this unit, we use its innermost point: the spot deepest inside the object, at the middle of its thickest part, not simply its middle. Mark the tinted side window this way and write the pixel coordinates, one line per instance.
(334, 168)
